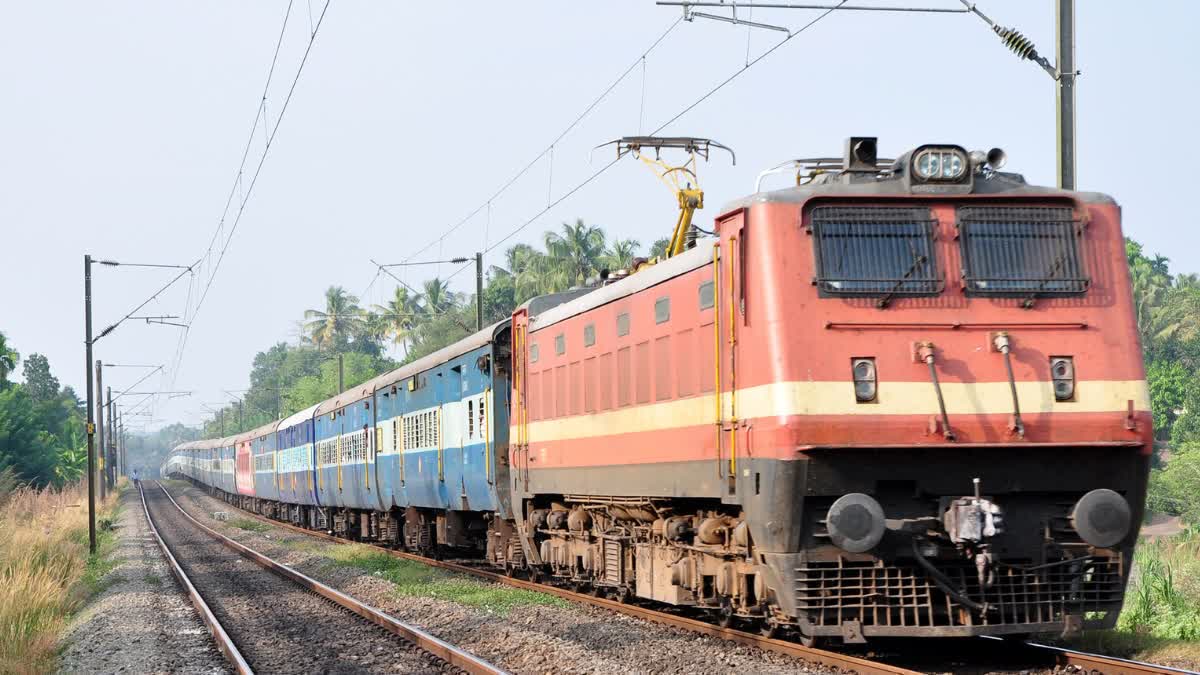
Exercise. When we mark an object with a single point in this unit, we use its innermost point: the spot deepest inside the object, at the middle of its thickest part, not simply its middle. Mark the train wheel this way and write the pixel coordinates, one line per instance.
(769, 628)
(811, 641)
(725, 616)
(623, 595)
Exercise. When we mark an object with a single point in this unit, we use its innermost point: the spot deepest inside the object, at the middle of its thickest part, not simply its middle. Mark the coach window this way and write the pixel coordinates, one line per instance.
(560, 344)
(707, 297)
(662, 310)
(589, 335)
(623, 324)
(533, 352)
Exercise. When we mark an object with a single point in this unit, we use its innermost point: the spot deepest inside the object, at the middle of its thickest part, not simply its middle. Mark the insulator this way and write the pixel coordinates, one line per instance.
(1019, 44)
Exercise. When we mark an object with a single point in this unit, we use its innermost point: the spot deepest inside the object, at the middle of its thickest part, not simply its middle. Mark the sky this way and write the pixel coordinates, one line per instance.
(123, 126)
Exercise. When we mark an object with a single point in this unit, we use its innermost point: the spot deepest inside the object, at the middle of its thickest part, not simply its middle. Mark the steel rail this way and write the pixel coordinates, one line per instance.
(1091, 663)
(441, 649)
(792, 649)
(224, 642)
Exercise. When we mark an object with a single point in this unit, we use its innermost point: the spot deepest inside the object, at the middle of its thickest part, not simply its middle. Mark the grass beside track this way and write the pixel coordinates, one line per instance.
(1160, 622)
(46, 572)
(412, 579)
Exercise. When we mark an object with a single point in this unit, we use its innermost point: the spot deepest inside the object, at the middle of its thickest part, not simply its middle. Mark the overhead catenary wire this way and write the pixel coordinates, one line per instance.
(549, 148)
(253, 181)
(719, 86)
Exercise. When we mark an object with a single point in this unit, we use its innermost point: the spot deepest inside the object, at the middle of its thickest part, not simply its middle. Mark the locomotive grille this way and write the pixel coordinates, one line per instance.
(875, 250)
(1026, 250)
(899, 595)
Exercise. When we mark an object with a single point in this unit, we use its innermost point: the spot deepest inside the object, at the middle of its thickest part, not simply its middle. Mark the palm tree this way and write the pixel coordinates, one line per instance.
(620, 254)
(438, 297)
(401, 314)
(576, 251)
(8, 359)
(341, 320)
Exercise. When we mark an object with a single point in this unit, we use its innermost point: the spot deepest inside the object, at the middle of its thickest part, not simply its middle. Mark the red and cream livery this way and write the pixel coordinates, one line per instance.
(899, 398)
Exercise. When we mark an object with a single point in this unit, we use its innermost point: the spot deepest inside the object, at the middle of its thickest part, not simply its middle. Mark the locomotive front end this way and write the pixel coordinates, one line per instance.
(949, 427)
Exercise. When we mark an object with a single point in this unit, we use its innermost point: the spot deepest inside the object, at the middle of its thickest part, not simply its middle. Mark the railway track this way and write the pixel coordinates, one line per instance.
(968, 655)
(267, 617)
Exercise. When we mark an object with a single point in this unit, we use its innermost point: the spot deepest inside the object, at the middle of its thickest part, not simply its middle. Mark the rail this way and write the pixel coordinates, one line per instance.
(220, 636)
(1053, 656)
(443, 650)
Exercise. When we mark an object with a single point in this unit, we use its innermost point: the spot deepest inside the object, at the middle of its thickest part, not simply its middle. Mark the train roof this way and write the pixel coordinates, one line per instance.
(837, 184)
(298, 417)
(687, 261)
(368, 388)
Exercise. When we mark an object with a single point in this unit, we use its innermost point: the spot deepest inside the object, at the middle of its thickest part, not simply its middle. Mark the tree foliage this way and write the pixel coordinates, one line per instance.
(41, 424)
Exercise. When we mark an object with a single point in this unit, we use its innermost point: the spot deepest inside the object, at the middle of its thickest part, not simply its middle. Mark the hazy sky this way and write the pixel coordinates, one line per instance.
(122, 125)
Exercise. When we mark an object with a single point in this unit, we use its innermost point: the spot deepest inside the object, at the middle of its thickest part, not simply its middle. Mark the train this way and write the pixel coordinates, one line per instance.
(895, 398)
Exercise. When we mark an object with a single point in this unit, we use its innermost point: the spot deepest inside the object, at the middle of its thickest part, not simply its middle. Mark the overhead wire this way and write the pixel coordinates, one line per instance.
(721, 85)
(254, 179)
(550, 147)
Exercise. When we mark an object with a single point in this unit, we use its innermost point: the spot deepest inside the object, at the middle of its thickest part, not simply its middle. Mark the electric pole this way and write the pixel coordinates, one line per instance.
(341, 375)
(109, 458)
(1065, 15)
(91, 426)
(100, 425)
(479, 291)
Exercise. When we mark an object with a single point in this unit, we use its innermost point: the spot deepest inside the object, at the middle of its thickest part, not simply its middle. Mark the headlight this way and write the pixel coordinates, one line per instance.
(940, 164)
(1062, 373)
(863, 371)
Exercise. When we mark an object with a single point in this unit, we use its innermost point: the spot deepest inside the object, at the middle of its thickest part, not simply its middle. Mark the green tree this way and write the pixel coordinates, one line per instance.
(620, 254)
(1168, 381)
(334, 326)
(401, 314)
(42, 386)
(576, 250)
(8, 360)
(659, 248)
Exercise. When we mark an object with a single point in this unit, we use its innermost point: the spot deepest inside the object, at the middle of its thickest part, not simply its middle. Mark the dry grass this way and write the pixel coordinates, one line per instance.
(45, 571)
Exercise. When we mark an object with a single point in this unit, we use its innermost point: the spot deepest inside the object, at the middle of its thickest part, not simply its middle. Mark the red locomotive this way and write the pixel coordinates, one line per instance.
(899, 398)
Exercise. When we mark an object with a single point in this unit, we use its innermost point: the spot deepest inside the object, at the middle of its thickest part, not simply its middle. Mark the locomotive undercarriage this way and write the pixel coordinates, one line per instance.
(1034, 574)
(684, 553)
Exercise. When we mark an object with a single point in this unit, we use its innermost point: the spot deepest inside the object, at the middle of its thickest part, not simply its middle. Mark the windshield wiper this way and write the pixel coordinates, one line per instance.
(1048, 277)
(918, 261)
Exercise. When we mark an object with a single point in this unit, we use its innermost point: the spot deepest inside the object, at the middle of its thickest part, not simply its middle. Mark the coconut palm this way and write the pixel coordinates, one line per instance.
(620, 254)
(438, 298)
(401, 314)
(8, 359)
(341, 319)
(576, 251)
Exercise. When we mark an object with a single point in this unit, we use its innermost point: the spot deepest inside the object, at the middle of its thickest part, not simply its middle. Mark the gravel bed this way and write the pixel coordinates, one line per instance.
(531, 638)
(142, 622)
(279, 626)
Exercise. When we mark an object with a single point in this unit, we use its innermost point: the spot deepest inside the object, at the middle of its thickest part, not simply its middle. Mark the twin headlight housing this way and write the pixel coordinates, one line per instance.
(940, 164)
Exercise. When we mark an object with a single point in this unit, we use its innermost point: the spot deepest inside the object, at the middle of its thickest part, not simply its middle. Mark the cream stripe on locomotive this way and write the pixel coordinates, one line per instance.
(837, 398)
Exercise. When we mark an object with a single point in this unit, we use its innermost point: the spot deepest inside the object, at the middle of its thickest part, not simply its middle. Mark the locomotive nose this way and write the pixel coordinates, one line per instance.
(1101, 517)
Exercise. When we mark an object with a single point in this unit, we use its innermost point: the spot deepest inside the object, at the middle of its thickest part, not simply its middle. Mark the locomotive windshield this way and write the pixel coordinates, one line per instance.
(1022, 250)
(875, 251)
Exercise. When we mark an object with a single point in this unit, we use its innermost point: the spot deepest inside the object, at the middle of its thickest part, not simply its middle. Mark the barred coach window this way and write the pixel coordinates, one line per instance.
(877, 251)
(1021, 251)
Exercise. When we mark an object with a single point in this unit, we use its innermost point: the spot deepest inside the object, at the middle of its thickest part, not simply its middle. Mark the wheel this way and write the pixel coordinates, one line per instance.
(623, 595)
(811, 641)
(769, 628)
(510, 570)
(725, 617)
